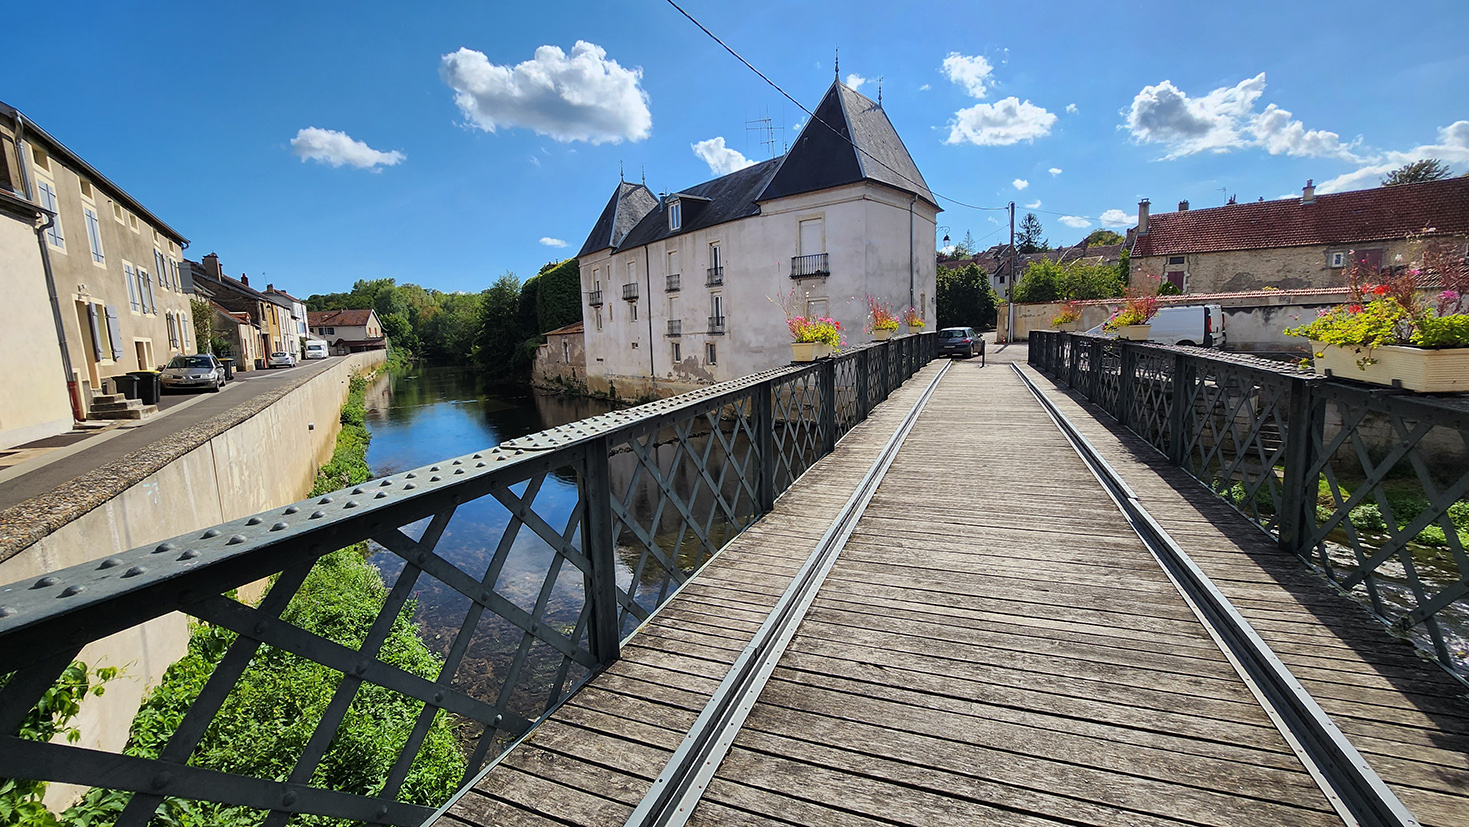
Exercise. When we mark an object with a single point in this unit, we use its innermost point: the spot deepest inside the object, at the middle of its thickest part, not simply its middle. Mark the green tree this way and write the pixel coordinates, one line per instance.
(1124, 267)
(1029, 239)
(1047, 281)
(499, 330)
(447, 333)
(203, 315)
(558, 295)
(1428, 169)
(1103, 237)
(964, 298)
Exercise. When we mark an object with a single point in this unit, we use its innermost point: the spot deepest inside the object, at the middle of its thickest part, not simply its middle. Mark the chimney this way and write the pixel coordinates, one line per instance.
(1183, 206)
(1142, 217)
(1308, 192)
(244, 279)
(211, 266)
(270, 288)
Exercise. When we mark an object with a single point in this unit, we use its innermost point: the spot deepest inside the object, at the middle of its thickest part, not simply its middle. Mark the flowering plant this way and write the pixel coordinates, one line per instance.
(879, 315)
(1140, 304)
(808, 327)
(1390, 312)
(1070, 312)
(911, 317)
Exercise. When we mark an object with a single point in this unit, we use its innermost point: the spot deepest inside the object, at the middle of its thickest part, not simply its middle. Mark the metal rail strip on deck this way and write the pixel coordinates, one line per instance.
(1356, 791)
(678, 788)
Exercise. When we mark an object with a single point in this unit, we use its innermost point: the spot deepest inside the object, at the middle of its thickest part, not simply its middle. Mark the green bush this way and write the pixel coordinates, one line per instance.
(1442, 331)
(558, 295)
(20, 799)
(1368, 517)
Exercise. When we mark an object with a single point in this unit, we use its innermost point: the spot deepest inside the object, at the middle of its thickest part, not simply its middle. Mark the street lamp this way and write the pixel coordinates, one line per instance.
(946, 243)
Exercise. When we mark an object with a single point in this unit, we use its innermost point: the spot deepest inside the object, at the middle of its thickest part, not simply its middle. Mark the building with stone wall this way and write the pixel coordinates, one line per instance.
(111, 264)
(562, 361)
(679, 288)
(1296, 244)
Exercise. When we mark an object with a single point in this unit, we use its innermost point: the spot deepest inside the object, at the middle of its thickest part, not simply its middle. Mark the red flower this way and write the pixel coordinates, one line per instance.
(1380, 290)
(1356, 308)
(839, 325)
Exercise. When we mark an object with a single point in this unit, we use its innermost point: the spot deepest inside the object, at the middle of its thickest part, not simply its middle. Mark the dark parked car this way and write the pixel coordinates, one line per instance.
(198, 371)
(960, 341)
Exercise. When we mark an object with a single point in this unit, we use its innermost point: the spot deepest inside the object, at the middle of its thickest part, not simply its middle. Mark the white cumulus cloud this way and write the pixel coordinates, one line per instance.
(1006, 121)
(1224, 120)
(721, 159)
(855, 81)
(1074, 221)
(1452, 146)
(1020, 183)
(552, 242)
(1116, 218)
(582, 96)
(970, 72)
(925, 87)
(1034, 205)
(1054, 171)
(329, 146)
(1071, 108)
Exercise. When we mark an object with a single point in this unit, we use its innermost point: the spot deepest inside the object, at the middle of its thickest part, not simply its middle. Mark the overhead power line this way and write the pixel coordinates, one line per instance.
(813, 117)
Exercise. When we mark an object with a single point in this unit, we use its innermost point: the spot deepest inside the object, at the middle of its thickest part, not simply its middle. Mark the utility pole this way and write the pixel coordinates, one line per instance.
(1010, 285)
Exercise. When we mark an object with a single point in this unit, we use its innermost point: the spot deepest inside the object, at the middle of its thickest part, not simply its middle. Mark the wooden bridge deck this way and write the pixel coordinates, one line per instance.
(994, 645)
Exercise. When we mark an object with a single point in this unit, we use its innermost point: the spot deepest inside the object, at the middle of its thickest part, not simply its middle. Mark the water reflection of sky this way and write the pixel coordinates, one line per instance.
(427, 414)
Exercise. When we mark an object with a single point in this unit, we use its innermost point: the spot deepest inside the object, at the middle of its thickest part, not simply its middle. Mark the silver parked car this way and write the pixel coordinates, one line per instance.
(282, 359)
(198, 371)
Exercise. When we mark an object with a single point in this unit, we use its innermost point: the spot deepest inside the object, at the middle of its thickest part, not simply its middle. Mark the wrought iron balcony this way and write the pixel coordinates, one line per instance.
(809, 266)
(594, 298)
(630, 291)
(716, 325)
(716, 276)
(673, 280)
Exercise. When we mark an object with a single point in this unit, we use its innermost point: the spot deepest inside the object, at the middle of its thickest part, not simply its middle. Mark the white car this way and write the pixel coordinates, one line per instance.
(282, 359)
(1194, 324)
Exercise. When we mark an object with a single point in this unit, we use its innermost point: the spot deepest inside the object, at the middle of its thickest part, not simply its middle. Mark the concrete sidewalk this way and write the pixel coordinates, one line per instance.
(177, 412)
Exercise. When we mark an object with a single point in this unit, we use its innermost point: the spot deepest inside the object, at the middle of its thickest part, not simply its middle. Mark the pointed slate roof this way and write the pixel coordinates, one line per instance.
(713, 202)
(628, 205)
(861, 143)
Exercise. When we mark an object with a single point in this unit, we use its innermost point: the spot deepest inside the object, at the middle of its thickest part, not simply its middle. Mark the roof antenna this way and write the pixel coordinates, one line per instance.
(879, 91)
(620, 177)
(644, 168)
(837, 65)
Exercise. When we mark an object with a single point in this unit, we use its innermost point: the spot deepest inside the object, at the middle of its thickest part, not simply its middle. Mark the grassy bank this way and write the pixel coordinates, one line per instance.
(270, 715)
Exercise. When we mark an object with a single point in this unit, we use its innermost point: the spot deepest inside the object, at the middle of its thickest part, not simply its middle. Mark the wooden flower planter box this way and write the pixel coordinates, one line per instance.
(1413, 368)
(809, 351)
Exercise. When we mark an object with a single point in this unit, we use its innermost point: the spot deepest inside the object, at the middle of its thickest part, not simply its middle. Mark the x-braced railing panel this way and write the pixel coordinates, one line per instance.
(533, 560)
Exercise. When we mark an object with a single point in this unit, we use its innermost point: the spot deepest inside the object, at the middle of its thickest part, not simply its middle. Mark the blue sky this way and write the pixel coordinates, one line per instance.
(448, 171)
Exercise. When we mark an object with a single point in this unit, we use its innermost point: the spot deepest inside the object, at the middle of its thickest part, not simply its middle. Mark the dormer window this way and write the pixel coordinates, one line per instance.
(675, 215)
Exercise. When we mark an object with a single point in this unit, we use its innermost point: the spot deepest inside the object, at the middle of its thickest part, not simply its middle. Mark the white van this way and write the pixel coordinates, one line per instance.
(316, 349)
(1194, 324)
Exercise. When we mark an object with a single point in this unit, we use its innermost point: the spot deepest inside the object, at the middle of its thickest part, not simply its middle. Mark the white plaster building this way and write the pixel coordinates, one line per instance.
(680, 289)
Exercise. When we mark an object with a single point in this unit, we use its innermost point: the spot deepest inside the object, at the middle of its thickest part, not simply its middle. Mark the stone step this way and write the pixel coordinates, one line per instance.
(120, 404)
(140, 412)
(104, 398)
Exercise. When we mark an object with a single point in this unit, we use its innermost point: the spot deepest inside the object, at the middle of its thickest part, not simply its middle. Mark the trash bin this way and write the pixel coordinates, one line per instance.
(150, 385)
(260, 364)
(229, 369)
(127, 385)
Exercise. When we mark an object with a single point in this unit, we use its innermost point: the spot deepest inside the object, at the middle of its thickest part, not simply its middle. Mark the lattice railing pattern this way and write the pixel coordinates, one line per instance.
(540, 585)
(1369, 484)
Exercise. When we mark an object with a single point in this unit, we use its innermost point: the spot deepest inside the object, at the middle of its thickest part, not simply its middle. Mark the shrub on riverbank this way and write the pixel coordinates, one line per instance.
(348, 465)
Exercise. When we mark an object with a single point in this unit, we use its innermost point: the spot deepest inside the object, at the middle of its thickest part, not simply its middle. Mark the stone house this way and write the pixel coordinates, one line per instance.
(1305, 243)
(294, 333)
(348, 331)
(110, 263)
(679, 287)
(562, 360)
(271, 314)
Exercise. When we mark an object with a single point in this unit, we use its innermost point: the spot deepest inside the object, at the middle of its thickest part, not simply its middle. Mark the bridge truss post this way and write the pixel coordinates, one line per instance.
(601, 550)
(1298, 494)
(765, 444)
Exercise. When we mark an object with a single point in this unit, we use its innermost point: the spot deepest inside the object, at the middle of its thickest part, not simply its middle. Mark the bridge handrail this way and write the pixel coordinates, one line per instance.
(746, 441)
(1317, 463)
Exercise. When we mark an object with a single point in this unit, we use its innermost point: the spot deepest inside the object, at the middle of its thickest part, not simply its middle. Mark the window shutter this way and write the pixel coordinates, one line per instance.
(127, 274)
(152, 303)
(96, 332)
(114, 331)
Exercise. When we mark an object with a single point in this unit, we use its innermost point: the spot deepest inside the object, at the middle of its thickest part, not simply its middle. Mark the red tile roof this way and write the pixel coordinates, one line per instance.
(338, 318)
(574, 327)
(1338, 218)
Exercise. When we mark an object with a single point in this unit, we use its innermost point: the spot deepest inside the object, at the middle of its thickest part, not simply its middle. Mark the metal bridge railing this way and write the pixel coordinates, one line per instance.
(1370, 485)
(546, 586)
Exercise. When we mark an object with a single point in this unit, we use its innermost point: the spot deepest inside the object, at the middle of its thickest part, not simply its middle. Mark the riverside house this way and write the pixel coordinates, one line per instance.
(679, 287)
(112, 266)
(348, 331)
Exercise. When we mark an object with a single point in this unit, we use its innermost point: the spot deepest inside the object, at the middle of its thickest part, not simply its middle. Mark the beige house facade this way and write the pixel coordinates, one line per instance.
(113, 264)
(682, 289)
(348, 331)
(35, 401)
(1300, 244)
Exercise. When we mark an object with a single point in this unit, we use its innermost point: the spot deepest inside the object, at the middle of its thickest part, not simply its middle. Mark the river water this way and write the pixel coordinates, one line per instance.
(424, 414)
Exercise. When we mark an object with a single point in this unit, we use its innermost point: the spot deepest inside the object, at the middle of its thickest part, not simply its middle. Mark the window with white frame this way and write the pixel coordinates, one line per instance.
(677, 353)
(41, 159)
(94, 236)
(131, 278)
(711, 353)
(86, 187)
(1338, 260)
(54, 235)
(675, 214)
(634, 306)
